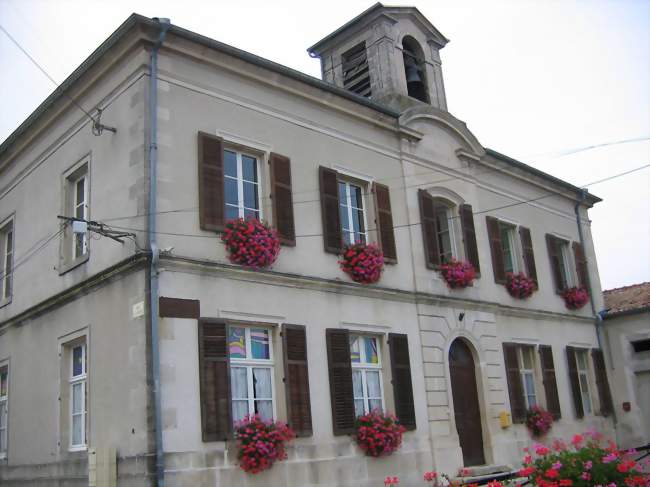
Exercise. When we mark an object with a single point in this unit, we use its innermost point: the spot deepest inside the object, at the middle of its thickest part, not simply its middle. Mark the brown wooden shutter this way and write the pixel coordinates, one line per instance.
(400, 364)
(515, 387)
(340, 373)
(554, 256)
(385, 222)
(211, 191)
(214, 375)
(602, 384)
(282, 199)
(296, 379)
(574, 380)
(496, 249)
(469, 235)
(429, 229)
(550, 382)
(529, 256)
(329, 201)
(581, 264)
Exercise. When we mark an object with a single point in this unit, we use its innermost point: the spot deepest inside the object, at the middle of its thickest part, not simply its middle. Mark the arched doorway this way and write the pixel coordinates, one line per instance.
(466, 406)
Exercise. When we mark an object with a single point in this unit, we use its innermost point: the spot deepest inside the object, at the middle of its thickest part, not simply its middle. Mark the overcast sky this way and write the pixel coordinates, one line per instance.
(532, 79)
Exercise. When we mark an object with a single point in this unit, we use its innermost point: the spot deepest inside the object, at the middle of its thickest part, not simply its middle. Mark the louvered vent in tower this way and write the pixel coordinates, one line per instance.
(356, 77)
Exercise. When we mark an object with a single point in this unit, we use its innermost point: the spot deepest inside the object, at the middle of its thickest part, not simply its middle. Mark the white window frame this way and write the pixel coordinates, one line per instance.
(75, 380)
(567, 262)
(249, 364)
(7, 263)
(451, 228)
(350, 234)
(240, 182)
(523, 372)
(84, 207)
(583, 380)
(365, 367)
(4, 402)
(512, 244)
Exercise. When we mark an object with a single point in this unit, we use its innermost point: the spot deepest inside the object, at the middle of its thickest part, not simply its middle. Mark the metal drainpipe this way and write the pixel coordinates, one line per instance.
(594, 313)
(598, 316)
(153, 247)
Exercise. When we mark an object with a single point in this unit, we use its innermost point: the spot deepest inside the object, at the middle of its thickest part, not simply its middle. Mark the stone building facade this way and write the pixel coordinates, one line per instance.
(145, 351)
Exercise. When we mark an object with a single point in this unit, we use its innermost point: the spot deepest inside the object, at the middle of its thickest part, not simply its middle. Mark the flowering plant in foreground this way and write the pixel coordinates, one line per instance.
(587, 462)
(251, 243)
(362, 262)
(260, 443)
(457, 274)
(378, 434)
(575, 297)
(519, 285)
(539, 421)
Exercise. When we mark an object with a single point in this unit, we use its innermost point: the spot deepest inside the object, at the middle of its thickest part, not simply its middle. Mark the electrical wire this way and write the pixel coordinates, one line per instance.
(562, 153)
(42, 70)
(609, 178)
(30, 253)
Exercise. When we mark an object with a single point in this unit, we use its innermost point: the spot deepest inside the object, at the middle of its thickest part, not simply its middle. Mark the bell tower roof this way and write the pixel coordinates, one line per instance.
(388, 54)
(367, 17)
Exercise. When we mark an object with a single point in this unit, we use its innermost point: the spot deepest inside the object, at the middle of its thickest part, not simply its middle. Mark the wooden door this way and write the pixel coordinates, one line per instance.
(466, 406)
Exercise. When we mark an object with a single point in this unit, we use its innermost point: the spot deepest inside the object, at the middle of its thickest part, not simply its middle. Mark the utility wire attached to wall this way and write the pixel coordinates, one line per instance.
(97, 127)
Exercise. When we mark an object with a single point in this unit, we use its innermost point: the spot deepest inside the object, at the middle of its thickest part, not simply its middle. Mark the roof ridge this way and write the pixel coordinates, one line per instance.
(629, 286)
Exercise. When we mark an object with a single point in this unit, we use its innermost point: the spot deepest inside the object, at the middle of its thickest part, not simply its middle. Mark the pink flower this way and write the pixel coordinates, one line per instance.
(557, 466)
(430, 476)
(609, 458)
(588, 465)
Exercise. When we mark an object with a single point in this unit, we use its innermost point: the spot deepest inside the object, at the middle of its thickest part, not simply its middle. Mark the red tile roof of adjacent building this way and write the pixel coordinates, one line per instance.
(627, 298)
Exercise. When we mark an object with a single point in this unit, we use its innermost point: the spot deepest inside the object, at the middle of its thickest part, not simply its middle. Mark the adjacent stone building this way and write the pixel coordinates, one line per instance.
(627, 330)
(141, 353)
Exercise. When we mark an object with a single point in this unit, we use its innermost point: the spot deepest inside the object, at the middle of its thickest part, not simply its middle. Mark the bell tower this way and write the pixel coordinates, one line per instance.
(388, 54)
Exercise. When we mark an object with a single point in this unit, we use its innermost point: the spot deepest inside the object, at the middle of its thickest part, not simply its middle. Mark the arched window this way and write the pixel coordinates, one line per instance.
(414, 69)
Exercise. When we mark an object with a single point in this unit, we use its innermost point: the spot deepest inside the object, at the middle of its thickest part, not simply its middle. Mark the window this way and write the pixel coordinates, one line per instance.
(526, 359)
(444, 232)
(366, 374)
(510, 263)
(251, 372)
(242, 186)
(565, 264)
(80, 210)
(641, 345)
(352, 213)
(583, 376)
(78, 396)
(4, 406)
(356, 77)
(7, 262)
(75, 247)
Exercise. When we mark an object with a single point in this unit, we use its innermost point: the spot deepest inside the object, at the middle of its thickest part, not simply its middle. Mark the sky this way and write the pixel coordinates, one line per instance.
(534, 79)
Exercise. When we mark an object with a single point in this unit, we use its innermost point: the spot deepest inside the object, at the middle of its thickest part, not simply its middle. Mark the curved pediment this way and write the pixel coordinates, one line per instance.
(419, 117)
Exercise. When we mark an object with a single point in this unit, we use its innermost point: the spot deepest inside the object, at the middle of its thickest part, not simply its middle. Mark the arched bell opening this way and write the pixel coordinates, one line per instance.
(414, 69)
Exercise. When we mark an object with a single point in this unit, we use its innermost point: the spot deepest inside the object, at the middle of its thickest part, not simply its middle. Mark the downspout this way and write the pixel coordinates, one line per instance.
(594, 313)
(153, 247)
(598, 316)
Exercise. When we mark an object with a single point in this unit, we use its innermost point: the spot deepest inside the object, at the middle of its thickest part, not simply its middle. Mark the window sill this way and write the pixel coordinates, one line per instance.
(5, 302)
(78, 449)
(68, 266)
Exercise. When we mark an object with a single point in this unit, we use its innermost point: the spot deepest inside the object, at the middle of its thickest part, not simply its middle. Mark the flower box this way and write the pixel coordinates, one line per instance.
(378, 434)
(575, 297)
(364, 263)
(457, 274)
(261, 443)
(539, 421)
(519, 285)
(251, 243)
